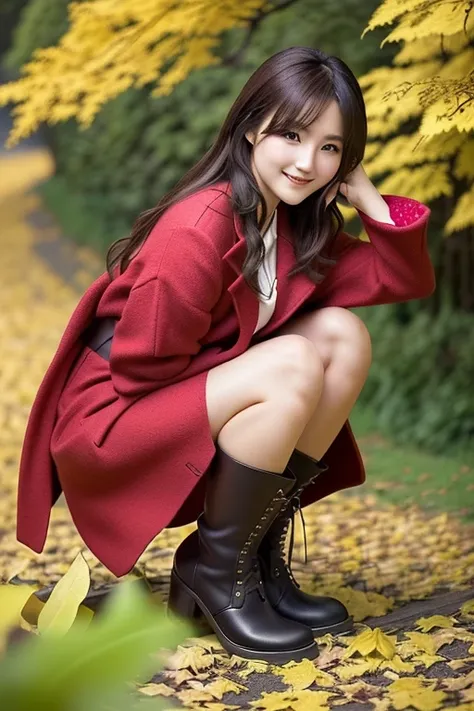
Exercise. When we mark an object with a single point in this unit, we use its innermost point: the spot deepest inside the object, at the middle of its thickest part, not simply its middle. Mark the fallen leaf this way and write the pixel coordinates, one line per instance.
(417, 693)
(13, 599)
(427, 623)
(196, 658)
(60, 610)
(371, 641)
(156, 690)
(298, 675)
(422, 641)
(467, 610)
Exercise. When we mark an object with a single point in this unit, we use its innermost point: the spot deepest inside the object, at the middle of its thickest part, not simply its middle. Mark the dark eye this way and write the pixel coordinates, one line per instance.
(290, 133)
(336, 149)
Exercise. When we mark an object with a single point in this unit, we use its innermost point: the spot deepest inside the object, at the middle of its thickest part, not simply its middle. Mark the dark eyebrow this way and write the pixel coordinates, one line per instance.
(329, 136)
(333, 137)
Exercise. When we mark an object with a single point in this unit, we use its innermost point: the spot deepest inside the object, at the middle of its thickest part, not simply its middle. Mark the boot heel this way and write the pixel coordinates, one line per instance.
(180, 601)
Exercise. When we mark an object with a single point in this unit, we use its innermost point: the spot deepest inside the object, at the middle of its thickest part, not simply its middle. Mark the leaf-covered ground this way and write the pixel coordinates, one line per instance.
(377, 558)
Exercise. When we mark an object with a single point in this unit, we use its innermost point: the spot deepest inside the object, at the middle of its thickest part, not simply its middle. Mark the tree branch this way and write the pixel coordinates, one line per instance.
(234, 59)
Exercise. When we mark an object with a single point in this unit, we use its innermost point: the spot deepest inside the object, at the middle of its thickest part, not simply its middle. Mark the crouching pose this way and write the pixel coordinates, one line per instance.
(209, 373)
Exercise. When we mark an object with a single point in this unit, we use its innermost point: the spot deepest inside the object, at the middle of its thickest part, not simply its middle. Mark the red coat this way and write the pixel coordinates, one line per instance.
(129, 440)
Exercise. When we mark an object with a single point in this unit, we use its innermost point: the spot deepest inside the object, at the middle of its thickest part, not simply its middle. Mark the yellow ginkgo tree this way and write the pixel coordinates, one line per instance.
(430, 87)
(112, 45)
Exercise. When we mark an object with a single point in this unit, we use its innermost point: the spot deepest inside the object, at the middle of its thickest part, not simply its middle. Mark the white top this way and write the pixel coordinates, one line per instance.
(267, 276)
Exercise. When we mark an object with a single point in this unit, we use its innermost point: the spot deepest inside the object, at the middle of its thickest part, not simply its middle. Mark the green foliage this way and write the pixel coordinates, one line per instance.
(90, 669)
(41, 24)
(421, 380)
(138, 146)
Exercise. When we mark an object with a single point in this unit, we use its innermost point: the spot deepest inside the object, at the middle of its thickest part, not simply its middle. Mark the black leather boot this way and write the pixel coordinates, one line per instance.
(216, 572)
(321, 614)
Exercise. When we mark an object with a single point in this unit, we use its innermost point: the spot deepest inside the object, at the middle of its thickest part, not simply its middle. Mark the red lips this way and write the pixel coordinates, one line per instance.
(300, 181)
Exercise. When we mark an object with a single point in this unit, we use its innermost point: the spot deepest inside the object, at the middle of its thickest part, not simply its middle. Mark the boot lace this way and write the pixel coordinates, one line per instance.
(294, 506)
(252, 580)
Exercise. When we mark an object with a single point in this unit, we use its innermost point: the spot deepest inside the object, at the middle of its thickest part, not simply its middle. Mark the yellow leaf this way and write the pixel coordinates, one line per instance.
(459, 683)
(372, 641)
(32, 609)
(357, 668)
(468, 695)
(457, 664)
(329, 656)
(361, 604)
(427, 623)
(250, 666)
(298, 675)
(13, 599)
(398, 665)
(179, 676)
(427, 659)
(351, 690)
(222, 686)
(195, 658)
(446, 636)
(193, 696)
(467, 610)
(380, 704)
(417, 693)
(156, 690)
(60, 610)
(422, 641)
(299, 701)
(84, 616)
(208, 642)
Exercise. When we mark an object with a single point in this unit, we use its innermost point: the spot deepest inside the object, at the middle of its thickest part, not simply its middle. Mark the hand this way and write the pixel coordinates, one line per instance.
(357, 188)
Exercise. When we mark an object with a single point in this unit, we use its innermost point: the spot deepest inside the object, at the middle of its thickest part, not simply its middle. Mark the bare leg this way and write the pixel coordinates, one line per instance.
(343, 343)
(260, 402)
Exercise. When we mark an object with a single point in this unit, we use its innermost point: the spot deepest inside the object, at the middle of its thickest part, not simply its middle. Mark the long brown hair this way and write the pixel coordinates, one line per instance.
(287, 83)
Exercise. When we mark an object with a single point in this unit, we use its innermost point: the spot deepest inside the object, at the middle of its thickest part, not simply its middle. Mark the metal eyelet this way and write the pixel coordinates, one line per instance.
(240, 571)
(239, 582)
(237, 594)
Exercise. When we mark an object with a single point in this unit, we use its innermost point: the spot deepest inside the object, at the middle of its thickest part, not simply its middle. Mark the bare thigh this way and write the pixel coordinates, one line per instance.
(287, 368)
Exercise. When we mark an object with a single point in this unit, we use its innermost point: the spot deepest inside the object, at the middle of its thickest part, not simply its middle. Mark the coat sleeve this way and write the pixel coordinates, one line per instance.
(167, 314)
(394, 266)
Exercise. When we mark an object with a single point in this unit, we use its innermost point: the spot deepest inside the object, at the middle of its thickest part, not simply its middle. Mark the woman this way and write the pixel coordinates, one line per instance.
(208, 371)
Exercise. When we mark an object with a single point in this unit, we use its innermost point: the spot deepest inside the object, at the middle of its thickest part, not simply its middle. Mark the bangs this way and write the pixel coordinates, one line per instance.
(301, 106)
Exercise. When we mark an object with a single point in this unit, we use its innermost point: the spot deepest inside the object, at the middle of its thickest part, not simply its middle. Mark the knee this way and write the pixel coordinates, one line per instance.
(349, 338)
(300, 368)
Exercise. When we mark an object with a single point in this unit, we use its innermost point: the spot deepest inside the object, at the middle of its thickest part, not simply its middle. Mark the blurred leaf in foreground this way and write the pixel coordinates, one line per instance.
(89, 667)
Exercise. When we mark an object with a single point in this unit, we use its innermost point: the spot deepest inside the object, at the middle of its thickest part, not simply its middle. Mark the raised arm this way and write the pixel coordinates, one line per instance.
(394, 266)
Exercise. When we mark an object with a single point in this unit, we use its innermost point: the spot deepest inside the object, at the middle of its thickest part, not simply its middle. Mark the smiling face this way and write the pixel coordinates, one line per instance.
(312, 154)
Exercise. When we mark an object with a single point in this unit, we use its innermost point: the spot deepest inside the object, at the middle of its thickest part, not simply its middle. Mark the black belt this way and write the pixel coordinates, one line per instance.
(98, 336)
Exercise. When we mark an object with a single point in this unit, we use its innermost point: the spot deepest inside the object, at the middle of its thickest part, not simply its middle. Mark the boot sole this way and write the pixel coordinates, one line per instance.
(345, 626)
(184, 601)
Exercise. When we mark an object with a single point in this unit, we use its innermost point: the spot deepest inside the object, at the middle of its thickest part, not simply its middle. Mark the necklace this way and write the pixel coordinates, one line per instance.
(269, 222)
(263, 271)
